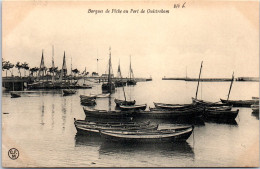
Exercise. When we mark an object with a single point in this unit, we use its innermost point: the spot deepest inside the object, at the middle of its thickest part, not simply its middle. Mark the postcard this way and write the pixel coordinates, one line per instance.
(130, 83)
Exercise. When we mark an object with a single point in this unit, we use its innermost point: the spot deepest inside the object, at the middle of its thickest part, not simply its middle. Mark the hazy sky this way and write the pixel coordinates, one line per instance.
(225, 35)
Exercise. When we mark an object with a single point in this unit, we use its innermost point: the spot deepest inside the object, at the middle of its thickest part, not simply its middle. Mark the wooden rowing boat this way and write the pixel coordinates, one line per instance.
(107, 113)
(207, 103)
(124, 102)
(133, 107)
(169, 114)
(173, 106)
(68, 92)
(87, 127)
(87, 97)
(240, 103)
(221, 115)
(169, 135)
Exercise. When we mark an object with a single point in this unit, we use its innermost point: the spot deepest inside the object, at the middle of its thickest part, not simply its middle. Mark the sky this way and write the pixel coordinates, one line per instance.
(222, 34)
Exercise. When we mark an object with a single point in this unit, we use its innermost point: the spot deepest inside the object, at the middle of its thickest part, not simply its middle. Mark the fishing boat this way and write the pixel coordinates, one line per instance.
(15, 95)
(109, 87)
(219, 108)
(131, 80)
(173, 106)
(88, 127)
(169, 114)
(133, 107)
(124, 102)
(240, 103)
(88, 97)
(88, 102)
(207, 103)
(221, 114)
(68, 92)
(108, 113)
(168, 135)
(119, 82)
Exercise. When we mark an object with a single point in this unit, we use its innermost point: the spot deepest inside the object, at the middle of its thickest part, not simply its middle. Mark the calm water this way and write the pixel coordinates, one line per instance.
(40, 125)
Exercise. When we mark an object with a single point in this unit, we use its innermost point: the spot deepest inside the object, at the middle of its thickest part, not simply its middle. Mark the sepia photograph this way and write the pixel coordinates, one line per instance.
(130, 83)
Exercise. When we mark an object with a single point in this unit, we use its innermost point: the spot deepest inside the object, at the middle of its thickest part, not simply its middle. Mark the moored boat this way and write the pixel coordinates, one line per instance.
(131, 80)
(109, 87)
(168, 135)
(88, 127)
(88, 102)
(133, 107)
(207, 103)
(124, 102)
(15, 95)
(173, 106)
(68, 92)
(255, 98)
(255, 108)
(221, 114)
(169, 114)
(107, 113)
(87, 97)
(240, 103)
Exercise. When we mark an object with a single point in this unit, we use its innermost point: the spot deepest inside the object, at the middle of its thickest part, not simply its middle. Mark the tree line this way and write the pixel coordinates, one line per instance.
(8, 67)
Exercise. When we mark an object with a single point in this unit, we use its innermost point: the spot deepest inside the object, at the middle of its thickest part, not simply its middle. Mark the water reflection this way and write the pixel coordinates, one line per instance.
(52, 115)
(87, 140)
(42, 113)
(64, 111)
(160, 149)
(228, 122)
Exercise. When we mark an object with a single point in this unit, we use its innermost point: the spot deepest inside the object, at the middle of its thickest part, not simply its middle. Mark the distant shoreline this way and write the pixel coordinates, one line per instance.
(242, 79)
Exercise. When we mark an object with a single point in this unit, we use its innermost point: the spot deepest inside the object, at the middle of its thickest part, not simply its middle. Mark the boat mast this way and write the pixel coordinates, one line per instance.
(198, 81)
(52, 63)
(71, 69)
(109, 71)
(230, 86)
(130, 68)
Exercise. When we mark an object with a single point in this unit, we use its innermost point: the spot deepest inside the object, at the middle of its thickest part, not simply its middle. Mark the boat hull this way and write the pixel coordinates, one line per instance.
(221, 115)
(108, 114)
(133, 108)
(131, 82)
(170, 137)
(240, 103)
(123, 102)
(15, 95)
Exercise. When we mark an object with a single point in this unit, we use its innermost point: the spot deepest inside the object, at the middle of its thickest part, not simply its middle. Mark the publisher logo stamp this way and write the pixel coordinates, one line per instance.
(13, 153)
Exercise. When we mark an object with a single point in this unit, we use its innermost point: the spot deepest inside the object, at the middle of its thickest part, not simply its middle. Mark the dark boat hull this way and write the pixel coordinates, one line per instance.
(131, 82)
(178, 136)
(15, 95)
(240, 103)
(123, 102)
(221, 115)
(108, 114)
(106, 87)
(133, 108)
(120, 83)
